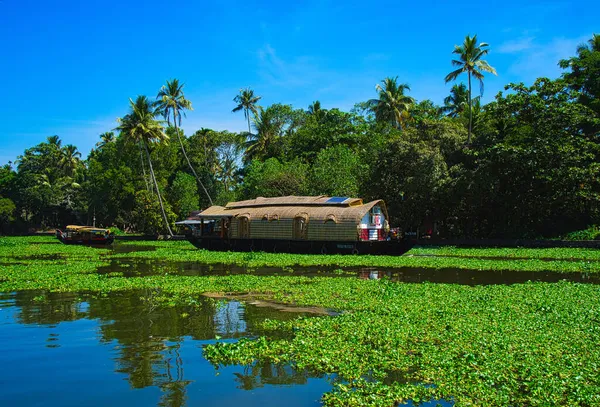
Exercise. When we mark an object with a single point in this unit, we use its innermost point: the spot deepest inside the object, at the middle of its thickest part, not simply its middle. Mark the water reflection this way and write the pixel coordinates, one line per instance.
(144, 267)
(260, 373)
(58, 345)
(137, 267)
(476, 277)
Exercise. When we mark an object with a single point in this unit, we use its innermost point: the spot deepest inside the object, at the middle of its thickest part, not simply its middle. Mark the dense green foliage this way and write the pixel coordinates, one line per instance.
(527, 168)
(533, 344)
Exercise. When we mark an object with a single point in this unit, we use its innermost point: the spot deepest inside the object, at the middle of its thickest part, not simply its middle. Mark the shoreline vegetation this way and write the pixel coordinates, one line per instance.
(524, 344)
(523, 165)
(562, 260)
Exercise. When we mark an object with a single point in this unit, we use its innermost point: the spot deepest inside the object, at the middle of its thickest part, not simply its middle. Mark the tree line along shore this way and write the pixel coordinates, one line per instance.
(524, 165)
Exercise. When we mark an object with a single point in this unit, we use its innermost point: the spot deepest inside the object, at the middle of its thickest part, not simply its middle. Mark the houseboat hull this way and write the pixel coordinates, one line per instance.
(388, 247)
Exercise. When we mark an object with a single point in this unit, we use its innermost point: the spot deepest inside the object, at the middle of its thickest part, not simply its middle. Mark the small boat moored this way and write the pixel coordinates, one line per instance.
(85, 235)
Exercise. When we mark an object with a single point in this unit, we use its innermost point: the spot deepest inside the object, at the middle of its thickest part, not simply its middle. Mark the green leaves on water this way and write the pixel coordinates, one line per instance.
(534, 344)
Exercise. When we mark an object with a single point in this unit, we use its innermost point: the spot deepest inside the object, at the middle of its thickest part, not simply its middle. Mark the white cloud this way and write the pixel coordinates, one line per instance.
(541, 60)
(298, 72)
(519, 45)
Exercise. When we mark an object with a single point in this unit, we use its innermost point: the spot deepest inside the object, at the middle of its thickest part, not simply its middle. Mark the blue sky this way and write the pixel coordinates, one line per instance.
(69, 67)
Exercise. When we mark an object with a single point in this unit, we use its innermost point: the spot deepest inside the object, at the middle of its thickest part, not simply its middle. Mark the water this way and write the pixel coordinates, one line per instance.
(141, 267)
(135, 267)
(126, 349)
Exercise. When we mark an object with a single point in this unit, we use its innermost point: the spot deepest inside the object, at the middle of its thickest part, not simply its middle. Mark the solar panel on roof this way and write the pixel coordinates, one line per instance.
(336, 199)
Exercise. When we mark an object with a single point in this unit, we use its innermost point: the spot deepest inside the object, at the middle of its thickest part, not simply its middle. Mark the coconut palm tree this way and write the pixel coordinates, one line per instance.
(226, 172)
(470, 61)
(171, 102)
(228, 153)
(393, 105)
(248, 103)
(314, 109)
(54, 141)
(140, 126)
(105, 139)
(268, 130)
(457, 102)
(69, 159)
(593, 45)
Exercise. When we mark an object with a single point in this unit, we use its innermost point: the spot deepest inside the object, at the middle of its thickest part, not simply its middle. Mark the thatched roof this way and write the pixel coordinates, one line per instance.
(313, 208)
(213, 212)
(296, 200)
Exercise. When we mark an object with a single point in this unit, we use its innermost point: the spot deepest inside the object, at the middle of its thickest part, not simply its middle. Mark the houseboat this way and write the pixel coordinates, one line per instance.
(85, 235)
(296, 224)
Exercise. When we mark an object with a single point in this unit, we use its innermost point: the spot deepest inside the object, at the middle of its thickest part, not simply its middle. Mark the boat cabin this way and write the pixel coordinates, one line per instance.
(298, 218)
(84, 235)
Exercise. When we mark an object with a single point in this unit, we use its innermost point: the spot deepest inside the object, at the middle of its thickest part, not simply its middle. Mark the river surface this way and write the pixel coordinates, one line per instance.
(126, 350)
(135, 267)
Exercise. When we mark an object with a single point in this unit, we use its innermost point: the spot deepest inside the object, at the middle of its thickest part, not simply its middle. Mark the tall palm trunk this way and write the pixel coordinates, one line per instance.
(470, 111)
(188, 160)
(248, 117)
(157, 191)
(148, 185)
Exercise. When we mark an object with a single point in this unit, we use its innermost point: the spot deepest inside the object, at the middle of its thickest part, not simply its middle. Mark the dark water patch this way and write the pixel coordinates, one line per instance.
(483, 277)
(62, 346)
(144, 267)
(504, 258)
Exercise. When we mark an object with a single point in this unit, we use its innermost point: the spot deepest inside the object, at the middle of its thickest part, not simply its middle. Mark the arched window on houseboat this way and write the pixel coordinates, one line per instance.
(330, 219)
(244, 227)
(300, 227)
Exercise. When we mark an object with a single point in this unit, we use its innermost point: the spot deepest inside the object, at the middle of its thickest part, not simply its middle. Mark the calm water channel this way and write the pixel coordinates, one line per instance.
(123, 349)
(143, 267)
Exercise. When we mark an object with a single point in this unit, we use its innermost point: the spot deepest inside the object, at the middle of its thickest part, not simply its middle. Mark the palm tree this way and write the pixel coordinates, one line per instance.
(268, 130)
(105, 139)
(54, 141)
(69, 159)
(314, 107)
(248, 103)
(458, 100)
(477, 114)
(226, 171)
(228, 153)
(393, 105)
(315, 110)
(172, 102)
(140, 126)
(593, 45)
(470, 62)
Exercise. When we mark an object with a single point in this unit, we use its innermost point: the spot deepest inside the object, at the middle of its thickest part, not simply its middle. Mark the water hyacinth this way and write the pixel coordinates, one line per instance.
(534, 344)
